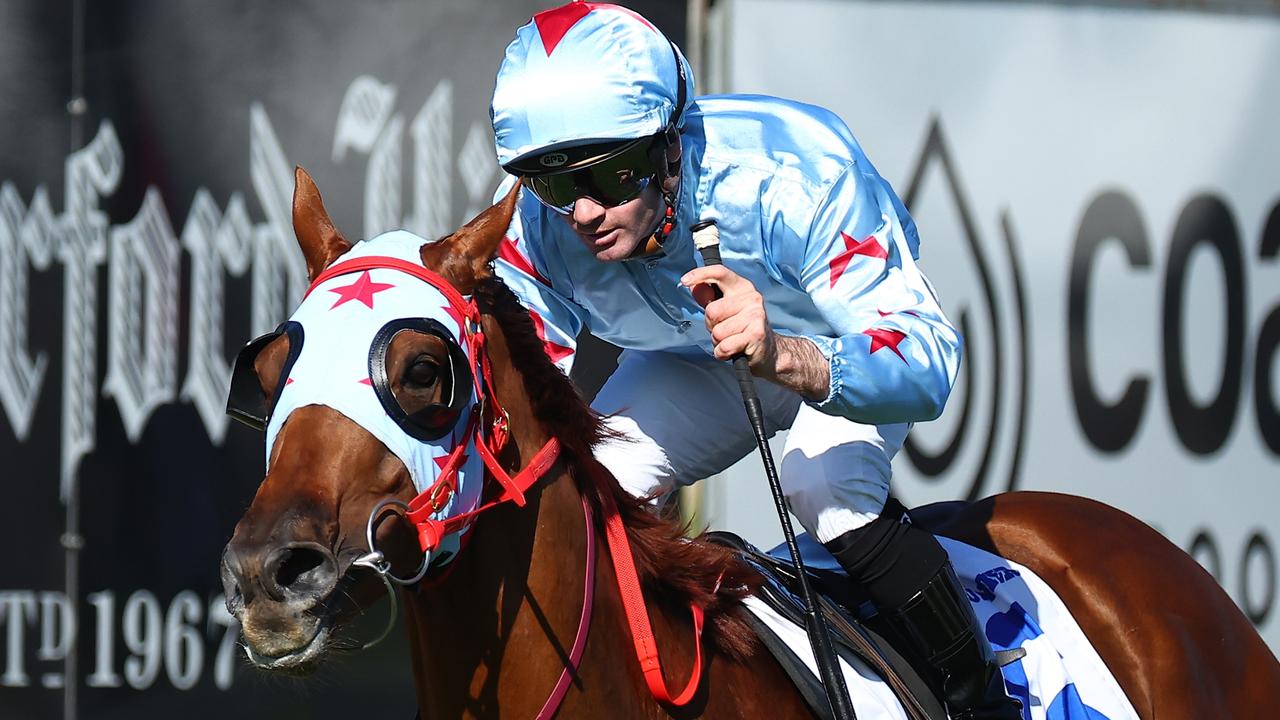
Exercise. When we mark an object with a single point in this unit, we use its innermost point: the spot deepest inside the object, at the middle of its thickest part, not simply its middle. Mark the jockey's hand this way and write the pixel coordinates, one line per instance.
(739, 325)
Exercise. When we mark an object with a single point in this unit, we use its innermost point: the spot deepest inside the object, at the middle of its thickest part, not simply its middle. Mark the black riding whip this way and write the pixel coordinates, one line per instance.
(706, 237)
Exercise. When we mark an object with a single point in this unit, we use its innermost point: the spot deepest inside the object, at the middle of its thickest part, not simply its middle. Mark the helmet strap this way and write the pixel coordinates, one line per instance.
(669, 168)
(669, 190)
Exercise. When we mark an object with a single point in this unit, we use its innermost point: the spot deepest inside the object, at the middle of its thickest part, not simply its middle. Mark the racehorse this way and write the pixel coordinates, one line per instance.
(501, 631)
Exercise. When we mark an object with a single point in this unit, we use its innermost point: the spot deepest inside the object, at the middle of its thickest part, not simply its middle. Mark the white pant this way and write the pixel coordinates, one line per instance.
(683, 421)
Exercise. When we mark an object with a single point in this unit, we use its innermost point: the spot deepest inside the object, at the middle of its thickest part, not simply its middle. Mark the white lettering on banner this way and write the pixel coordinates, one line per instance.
(142, 359)
(279, 272)
(57, 630)
(365, 109)
(92, 171)
(382, 180)
(432, 131)
(26, 237)
(18, 610)
(172, 641)
(218, 243)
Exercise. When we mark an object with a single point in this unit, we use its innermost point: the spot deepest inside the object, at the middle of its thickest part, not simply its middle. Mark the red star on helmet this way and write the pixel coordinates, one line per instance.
(554, 351)
(886, 338)
(362, 289)
(870, 247)
(554, 23)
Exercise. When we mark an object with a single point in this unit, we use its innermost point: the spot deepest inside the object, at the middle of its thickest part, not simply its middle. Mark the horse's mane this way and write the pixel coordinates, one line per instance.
(678, 569)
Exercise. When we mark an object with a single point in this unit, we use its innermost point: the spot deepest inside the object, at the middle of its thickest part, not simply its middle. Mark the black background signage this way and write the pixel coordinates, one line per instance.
(140, 231)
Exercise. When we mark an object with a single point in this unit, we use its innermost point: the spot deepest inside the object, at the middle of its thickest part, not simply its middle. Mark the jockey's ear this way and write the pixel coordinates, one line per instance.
(320, 242)
(463, 257)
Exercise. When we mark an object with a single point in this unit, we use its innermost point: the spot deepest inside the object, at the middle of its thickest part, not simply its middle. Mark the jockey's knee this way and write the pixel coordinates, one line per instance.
(838, 490)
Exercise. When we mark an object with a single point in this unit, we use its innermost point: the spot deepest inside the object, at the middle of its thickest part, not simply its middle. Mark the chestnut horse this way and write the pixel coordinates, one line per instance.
(490, 638)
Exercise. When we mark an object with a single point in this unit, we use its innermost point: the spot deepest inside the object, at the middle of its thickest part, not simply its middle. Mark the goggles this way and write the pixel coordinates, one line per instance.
(610, 178)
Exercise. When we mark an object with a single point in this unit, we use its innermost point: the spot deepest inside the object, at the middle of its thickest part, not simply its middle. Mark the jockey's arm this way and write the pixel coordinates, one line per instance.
(896, 355)
(893, 357)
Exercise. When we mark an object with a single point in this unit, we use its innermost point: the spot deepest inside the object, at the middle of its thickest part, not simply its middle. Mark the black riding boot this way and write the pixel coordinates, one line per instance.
(908, 577)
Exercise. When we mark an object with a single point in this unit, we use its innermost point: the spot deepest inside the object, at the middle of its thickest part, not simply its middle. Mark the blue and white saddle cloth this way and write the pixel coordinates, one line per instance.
(1061, 677)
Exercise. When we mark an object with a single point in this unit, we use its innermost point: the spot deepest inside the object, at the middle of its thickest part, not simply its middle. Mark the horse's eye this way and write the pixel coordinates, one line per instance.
(422, 372)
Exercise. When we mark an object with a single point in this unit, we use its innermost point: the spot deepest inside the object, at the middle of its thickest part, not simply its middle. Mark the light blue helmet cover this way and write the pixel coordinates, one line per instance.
(581, 73)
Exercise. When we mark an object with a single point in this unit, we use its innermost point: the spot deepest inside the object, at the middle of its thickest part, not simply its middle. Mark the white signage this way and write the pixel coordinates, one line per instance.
(1097, 195)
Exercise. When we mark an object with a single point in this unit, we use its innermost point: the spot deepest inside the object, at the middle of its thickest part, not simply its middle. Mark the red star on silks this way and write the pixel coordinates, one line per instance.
(869, 247)
(886, 338)
(554, 351)
(362, 289)
(458, 317)
(554, 23)
(509, 252)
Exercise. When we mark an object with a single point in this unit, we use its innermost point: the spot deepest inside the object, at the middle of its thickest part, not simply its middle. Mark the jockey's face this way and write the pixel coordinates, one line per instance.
(613, 233)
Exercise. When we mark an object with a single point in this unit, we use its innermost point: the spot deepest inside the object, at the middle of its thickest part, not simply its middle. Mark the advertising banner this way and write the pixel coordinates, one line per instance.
(1098, 197)
(146, 171)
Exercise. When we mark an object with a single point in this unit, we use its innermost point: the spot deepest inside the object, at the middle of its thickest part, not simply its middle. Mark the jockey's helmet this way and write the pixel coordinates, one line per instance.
(582, 86)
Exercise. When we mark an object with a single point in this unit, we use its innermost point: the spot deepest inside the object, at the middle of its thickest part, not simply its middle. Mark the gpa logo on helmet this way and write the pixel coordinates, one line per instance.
(553, 159)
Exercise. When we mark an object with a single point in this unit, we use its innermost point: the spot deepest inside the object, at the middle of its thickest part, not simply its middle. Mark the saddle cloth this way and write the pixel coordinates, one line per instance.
(1060, 677)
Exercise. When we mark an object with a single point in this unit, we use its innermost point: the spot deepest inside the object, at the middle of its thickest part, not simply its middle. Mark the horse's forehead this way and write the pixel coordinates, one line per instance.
(346, 320)
(377, 294)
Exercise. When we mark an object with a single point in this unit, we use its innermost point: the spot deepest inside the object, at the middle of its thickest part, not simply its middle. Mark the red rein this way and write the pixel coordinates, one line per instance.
(427, 503)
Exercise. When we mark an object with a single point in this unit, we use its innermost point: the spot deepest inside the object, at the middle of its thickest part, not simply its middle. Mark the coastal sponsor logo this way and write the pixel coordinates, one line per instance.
(976, 448)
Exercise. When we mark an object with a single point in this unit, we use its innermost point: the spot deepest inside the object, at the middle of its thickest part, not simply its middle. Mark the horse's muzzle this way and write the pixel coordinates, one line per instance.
(279, 594)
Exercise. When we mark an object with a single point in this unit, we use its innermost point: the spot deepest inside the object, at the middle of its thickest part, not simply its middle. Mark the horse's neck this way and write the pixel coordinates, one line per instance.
(490, 634)
(493, 635)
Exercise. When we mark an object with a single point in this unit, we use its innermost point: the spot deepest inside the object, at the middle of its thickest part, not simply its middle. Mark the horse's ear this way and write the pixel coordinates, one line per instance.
(320, 242)
(463, 257)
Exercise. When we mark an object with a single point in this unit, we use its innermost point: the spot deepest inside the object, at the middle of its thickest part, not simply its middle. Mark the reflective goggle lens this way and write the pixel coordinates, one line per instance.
(611, 181)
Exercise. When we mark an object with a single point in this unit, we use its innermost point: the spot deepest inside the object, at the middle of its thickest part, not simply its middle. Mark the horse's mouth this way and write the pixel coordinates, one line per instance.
(304, 657)
(301, 661)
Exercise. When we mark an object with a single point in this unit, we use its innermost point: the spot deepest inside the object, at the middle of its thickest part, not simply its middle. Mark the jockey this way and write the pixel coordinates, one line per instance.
(594, 113)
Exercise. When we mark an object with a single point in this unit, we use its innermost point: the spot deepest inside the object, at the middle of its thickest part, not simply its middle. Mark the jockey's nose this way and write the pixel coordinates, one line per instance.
(299, 572)
(587, 211)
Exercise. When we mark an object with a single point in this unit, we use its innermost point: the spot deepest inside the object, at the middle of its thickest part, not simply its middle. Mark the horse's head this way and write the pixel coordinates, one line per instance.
(365, 395)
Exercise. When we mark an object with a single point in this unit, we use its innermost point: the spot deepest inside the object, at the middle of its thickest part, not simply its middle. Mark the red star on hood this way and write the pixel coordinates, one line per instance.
(869, 247)
(886, 338)
(442, 461)
(458, 317)
(362, 289)
(554, 351)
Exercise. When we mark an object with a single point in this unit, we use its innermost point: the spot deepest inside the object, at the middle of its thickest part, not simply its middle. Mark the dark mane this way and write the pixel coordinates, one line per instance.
(677, 569)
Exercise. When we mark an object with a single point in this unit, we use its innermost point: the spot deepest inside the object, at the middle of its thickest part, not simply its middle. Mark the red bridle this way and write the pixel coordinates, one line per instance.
(431, 531)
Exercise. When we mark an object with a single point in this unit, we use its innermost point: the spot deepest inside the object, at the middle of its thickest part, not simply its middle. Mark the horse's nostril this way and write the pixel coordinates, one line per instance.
(302, 570)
